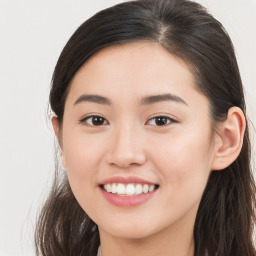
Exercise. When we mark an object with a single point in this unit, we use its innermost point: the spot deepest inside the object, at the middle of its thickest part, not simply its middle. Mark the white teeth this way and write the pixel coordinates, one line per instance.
(151, 188)
(145, 188)
(114, 188)
(129, 189)
(108, 187)
(138, 189)
(120, 189)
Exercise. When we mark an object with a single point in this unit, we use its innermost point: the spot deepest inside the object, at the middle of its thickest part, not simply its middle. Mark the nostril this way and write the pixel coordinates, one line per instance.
(124, 156)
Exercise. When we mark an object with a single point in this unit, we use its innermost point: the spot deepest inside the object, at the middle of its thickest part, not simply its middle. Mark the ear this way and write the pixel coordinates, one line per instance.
(57, 131)
(229, 139)
(56, 127)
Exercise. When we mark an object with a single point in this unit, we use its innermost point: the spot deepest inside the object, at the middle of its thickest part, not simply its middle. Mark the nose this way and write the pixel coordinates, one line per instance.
(126, 148)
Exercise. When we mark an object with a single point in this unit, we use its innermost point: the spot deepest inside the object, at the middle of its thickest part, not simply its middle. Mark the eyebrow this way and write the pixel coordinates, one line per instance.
(162, 97)
(93, 98)
(144, 101)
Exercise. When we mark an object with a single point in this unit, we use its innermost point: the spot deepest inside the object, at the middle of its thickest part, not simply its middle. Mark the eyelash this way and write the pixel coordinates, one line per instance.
(85, 120)
(166, 119)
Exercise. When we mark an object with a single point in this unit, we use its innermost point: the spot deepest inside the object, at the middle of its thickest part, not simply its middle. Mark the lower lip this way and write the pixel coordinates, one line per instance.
(127, 201)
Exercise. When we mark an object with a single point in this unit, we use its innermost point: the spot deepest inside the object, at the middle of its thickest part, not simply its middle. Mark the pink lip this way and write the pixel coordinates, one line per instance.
(127, 201)
(126, 180)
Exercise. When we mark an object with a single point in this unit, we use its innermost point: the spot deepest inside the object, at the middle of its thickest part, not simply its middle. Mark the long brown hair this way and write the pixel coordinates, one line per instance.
(226, 215)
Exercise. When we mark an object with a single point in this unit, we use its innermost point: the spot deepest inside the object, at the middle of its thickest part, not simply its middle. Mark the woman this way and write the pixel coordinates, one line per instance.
(150, 118)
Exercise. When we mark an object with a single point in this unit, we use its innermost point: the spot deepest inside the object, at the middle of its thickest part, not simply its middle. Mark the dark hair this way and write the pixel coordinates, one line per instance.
(226, 216)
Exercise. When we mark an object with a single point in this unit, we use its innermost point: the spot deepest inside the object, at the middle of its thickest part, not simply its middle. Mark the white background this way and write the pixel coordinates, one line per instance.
(32, 35)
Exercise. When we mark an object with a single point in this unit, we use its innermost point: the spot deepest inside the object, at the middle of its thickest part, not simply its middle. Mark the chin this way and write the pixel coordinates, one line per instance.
(129, 234)
(128, 230)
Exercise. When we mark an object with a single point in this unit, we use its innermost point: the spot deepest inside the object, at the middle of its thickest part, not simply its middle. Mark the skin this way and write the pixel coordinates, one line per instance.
(178, 156)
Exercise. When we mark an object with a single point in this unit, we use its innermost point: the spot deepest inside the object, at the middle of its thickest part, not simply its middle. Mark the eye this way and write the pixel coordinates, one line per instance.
(160, 121)
(94, 121)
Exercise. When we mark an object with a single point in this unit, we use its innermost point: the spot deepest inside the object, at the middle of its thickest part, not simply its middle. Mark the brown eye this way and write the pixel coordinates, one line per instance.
(94, 121)
(160, 121)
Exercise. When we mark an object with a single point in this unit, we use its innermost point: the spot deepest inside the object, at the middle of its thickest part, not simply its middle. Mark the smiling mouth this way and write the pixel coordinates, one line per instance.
(130, 189)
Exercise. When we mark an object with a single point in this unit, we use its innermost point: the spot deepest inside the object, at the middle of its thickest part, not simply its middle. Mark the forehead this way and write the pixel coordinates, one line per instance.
(134, 69)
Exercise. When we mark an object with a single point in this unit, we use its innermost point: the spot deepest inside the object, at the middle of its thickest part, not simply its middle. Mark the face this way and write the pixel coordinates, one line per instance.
(133, 116)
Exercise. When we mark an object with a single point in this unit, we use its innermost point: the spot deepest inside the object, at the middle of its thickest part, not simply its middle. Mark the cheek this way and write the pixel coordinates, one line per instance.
(184, 169)
(184, 160)
(82, 156)
(80, 152)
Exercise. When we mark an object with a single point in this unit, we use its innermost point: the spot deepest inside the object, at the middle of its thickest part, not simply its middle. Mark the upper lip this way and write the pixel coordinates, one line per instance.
(126, 180)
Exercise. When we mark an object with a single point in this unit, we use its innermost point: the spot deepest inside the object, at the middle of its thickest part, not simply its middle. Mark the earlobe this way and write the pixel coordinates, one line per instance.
(56, 127)
(229, 140)
(63, 162)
